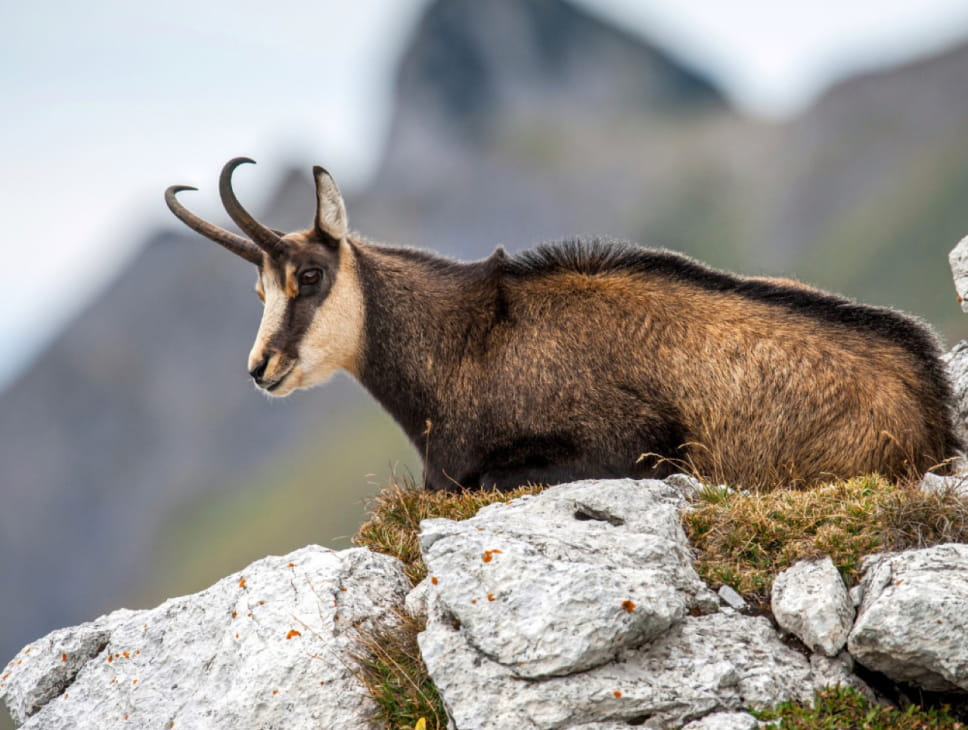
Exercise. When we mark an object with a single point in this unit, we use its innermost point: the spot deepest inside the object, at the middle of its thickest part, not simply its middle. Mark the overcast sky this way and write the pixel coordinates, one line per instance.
(105, 103)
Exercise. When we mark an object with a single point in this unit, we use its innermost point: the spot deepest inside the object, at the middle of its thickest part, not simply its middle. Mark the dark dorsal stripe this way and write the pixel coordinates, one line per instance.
(602, 256)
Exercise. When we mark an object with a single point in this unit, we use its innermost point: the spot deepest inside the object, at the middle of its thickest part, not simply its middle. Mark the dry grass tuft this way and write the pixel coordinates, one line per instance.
(389, 665)
(389, 662)
(744, 540)
(396, 512)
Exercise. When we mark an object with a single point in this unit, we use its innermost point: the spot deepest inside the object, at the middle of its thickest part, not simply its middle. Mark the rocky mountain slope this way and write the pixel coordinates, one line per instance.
(515, 122)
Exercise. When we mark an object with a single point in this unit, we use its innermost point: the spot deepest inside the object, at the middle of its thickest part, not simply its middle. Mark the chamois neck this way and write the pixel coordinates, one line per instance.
(422, 312)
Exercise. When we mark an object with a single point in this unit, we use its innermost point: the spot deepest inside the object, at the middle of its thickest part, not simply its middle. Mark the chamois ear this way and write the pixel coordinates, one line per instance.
(330, 210)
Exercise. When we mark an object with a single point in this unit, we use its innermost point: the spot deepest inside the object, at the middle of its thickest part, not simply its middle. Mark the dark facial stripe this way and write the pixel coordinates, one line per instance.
(301, 309)
(297, 318)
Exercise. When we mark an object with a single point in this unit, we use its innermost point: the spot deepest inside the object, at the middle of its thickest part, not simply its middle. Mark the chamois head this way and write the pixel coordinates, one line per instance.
(313, 316)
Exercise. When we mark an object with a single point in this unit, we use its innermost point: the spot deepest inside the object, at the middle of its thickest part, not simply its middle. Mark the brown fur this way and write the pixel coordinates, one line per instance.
(571, 373)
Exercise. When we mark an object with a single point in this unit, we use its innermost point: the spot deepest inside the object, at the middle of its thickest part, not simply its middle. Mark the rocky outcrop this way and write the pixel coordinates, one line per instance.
(958, 261)
(956, 361)
(574, 608)
(580, 605)
(703, 664)
(266, 647)
(724, 721)
(564, 581)
(912, 622)
(810, 600)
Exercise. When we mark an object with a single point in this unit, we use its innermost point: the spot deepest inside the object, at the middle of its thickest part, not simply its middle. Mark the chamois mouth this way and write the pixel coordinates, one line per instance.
(274, 385)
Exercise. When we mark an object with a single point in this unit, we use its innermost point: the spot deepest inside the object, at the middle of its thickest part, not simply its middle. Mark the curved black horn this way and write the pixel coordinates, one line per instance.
(264, 237)
(233, 242)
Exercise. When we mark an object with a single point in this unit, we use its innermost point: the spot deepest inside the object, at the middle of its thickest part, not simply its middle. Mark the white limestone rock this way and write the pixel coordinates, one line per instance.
(935, 483)
(838, 671)
(913, 619)
(958, 260)
(701, 665)
(724, 721)
(956, 361)
(810, 600)
(265, 647)
(731, 598)
(562, 581)
(686, 484)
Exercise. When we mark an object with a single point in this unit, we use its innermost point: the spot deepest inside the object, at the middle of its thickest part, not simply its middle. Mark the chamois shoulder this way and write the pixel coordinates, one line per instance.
(598, 256)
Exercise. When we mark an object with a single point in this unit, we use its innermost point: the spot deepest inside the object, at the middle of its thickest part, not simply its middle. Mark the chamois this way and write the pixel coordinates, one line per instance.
(591, 358)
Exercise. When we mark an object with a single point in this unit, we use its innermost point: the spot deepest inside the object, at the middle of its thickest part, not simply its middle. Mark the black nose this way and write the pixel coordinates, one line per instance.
(259, 370)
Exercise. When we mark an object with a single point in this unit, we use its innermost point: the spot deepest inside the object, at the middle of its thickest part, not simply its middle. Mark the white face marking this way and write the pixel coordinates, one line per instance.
(333, 340)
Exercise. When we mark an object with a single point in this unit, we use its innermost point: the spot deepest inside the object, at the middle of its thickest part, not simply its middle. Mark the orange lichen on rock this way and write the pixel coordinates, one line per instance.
(489, 555)
(617, 694)
(490, 596)
(628, 606)
(63, 657)
(242, 583)
(292, 633)
(433, 579)
(291, 565)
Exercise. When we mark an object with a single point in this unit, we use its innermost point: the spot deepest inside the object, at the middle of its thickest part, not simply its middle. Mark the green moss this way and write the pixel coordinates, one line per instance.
(842, 708)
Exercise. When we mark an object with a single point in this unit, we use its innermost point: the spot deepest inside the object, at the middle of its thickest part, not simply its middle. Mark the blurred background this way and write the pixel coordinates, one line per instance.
(828, 141)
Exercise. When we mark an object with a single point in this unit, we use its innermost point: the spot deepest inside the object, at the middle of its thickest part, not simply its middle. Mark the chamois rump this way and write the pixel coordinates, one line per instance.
(591, 358)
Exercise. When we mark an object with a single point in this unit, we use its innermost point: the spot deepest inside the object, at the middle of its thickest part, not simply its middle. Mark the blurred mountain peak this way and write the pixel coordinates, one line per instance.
(472, 63)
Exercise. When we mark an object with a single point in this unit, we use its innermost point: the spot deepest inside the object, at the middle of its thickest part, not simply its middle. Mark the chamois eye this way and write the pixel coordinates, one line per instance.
(310, 277)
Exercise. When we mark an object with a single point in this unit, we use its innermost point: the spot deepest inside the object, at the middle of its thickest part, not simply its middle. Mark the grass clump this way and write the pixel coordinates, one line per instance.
(843, 708)
(396, 512)
(744, 540)
(389, 662)
(389, 665)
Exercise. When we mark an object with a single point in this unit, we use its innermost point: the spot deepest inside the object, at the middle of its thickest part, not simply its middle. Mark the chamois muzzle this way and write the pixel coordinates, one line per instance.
(271, 370)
